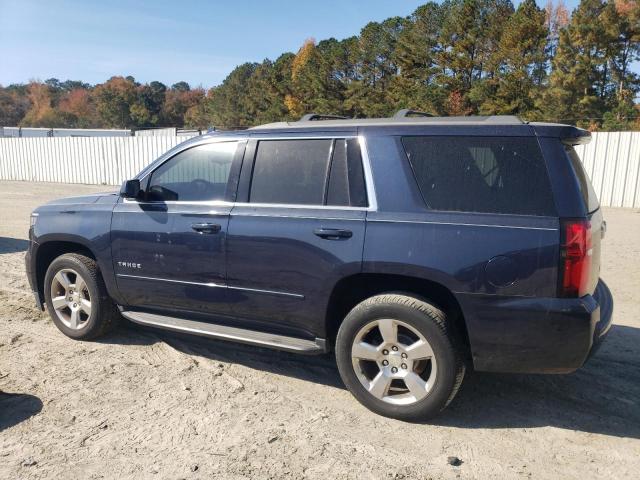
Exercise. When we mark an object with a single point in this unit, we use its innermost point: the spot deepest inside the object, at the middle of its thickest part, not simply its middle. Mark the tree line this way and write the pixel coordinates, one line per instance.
(458, 57)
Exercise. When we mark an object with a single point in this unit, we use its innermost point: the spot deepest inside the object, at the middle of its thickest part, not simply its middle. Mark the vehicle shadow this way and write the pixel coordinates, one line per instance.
(12, 245)
(313, 368)
(16, 408)
(602, 397)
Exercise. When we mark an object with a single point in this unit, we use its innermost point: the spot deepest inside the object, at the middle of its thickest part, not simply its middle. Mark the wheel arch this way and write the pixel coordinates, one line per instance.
(48, 251)
(351, 290)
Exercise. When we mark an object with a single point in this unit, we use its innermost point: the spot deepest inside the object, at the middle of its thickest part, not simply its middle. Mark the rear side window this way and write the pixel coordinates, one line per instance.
(586, 187)
(505, 175)
(290, 171)
(308, 172)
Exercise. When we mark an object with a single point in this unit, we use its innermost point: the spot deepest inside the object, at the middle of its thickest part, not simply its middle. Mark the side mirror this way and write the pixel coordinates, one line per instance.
(130, 189)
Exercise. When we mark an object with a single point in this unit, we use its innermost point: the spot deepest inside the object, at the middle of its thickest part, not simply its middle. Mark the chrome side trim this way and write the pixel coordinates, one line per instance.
(366, 165)
(302, 217)
(368, 175)
(169, 280)
(267, 292)
(219, 203)
(206, 203)
(461, 224)
(213, 285)
(299, 206)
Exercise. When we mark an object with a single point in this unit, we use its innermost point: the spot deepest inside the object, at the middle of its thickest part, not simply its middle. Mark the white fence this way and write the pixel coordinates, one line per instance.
(612, 160)
(92, 160)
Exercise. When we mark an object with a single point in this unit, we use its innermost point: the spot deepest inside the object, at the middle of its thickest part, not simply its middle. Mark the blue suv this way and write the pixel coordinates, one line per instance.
(413, 247)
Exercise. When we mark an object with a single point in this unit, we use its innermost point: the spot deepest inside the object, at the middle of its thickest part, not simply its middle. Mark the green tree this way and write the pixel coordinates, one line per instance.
(367, 94)
(579, 84)
(520, 61)
(416, 86)
(113, 100)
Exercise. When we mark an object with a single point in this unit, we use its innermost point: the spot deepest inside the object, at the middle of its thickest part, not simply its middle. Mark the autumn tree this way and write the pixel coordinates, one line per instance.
(79, 105)
(14, 104)
(114, 100)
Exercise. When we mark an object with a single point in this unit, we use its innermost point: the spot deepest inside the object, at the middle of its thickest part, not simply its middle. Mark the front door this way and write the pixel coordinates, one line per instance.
(169, 247)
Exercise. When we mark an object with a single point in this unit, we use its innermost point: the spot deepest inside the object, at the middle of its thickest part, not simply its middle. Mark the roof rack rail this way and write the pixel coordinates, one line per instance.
(407, 112)
(309, 117)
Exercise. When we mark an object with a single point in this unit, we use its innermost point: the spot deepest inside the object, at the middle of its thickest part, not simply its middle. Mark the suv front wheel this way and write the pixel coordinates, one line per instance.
(397, 356)
(77, 298)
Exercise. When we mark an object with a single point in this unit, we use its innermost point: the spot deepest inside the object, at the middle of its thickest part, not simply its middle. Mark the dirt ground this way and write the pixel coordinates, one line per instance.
(143, 404)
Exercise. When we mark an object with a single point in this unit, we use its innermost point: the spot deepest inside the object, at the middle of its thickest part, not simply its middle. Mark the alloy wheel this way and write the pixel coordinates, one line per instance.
(394, 362)
(71, 299)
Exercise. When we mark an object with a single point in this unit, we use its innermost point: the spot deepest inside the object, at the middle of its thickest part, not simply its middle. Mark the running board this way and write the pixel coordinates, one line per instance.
(223, 332)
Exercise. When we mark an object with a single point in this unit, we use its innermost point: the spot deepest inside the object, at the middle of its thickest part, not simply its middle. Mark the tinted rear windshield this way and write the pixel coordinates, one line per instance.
(586, 188)
(481, 174)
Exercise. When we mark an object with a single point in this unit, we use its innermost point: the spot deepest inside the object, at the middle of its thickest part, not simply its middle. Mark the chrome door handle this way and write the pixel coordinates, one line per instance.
(206, 227)
(333, 233)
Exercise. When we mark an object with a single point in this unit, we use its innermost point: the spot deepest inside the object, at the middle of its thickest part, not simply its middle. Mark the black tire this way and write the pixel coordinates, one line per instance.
(104, 314)
(432, 324)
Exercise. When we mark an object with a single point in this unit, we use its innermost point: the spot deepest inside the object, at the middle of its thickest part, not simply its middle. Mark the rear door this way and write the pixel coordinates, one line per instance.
(298, 228)
(169, 246)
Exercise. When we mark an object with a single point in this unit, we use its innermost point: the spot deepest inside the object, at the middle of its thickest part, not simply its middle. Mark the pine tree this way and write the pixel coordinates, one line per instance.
(521, 63)
(415, 55)
(579, 85)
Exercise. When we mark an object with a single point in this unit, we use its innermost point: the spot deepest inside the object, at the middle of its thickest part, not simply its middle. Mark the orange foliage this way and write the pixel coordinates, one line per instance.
(294, 105)
(40, 99)
(626, 7)
(302, 57)
(77, 102)
(557, 16)
(456, 104)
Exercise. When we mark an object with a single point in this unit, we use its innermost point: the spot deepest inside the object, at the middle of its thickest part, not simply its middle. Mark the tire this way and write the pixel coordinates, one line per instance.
(438, 365)
(74, 283)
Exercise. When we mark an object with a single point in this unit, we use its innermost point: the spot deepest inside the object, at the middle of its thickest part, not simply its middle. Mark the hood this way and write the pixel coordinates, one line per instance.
(107, 197)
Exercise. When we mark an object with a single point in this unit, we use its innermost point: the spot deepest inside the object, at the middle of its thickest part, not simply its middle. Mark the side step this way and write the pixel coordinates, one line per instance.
(223, 332)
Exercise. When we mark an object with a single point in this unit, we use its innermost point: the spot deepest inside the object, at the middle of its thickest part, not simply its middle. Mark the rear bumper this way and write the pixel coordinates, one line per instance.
(536, 335)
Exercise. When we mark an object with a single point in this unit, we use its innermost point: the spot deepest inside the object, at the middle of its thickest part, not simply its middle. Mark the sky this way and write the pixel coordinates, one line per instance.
(197, 41)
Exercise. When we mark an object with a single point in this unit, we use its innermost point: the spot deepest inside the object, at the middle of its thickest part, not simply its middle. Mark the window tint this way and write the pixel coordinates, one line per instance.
(290, 171)
(197, 174)
(346, 180)
(589, 196)
(481, 174)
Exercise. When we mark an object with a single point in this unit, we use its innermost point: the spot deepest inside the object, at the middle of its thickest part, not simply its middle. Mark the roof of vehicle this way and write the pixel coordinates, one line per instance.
(465, 125)
(395, 121)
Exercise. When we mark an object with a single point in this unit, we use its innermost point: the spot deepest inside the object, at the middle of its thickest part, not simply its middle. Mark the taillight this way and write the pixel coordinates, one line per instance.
(575, 258)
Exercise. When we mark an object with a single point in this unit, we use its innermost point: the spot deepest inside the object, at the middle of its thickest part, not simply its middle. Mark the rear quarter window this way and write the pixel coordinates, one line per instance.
(589, 196)
(505, 175)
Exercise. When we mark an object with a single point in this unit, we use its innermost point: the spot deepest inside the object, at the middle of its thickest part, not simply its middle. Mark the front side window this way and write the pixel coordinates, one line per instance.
(504, 175)
(200, 173)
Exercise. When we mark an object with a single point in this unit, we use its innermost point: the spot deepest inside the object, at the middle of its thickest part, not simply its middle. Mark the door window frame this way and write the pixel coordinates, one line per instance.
(232, 183)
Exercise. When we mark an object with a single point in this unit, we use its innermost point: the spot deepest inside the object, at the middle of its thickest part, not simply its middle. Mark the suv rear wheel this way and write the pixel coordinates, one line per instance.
(397, 356)
(77, 299)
